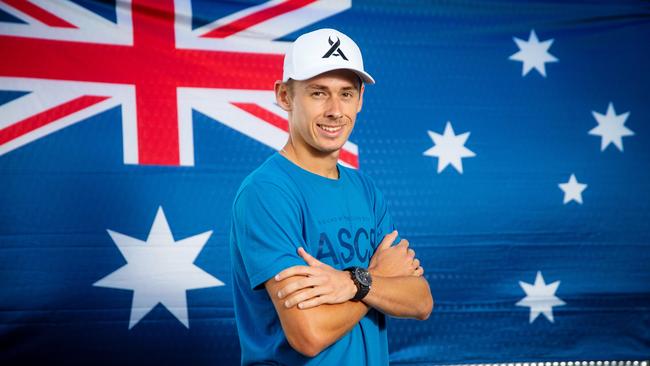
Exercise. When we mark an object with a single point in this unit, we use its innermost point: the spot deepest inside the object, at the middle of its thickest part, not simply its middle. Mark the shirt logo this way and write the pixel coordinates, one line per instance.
(335, 50)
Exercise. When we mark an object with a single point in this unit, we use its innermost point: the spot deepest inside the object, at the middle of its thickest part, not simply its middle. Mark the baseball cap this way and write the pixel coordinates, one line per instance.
(320, 51)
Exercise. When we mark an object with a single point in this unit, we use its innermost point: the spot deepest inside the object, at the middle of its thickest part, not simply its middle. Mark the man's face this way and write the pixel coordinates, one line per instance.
(323, 110)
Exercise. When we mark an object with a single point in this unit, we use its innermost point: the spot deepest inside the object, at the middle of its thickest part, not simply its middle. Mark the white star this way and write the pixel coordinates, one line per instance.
(449, 148)
(540, 298)
(159, 270)
(572, 190)
(611, 128)
(534, 54)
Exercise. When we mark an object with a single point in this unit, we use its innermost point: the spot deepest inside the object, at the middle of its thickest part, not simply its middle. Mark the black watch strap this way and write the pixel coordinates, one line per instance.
(362, 279)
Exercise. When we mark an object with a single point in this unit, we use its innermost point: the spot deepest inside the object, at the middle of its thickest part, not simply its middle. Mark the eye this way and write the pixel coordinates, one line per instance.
(317, 94)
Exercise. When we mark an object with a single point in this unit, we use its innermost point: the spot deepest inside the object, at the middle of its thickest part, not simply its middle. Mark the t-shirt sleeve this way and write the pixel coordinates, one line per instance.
(267, 225)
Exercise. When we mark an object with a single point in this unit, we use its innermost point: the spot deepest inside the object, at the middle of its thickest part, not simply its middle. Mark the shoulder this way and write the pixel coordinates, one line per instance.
(268, 182)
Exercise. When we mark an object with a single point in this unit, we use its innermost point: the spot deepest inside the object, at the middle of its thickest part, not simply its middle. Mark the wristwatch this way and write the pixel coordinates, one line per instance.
(362, 279)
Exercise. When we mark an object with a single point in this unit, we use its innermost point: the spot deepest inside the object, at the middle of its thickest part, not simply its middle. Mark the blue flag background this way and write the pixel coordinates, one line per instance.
(481, 234)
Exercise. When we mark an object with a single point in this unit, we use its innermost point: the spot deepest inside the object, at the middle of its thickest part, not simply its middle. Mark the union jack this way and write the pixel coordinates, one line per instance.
(75, 63)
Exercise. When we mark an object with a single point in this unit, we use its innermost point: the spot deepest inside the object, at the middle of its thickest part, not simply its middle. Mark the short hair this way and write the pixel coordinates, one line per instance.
(289, 84)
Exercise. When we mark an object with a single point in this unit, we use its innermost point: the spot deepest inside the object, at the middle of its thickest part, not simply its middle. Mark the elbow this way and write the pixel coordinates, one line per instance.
(425, 309)
(306, 342)
(305, 347)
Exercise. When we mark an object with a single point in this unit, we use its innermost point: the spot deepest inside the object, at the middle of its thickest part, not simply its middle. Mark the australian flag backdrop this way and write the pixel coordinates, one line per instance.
(511, 139)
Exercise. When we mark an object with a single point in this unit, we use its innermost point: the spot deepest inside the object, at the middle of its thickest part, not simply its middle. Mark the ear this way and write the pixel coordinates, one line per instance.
(282, 96)
(363, 87)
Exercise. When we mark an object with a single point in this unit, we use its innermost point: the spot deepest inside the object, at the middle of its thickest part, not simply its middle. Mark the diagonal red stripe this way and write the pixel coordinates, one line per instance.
(283, 124)
(38, 13)
(349, 157)
(48, 116)
(264, 114)
(256, 18)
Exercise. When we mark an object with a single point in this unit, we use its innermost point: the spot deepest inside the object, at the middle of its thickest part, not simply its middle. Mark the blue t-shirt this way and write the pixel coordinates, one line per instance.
(280, 207)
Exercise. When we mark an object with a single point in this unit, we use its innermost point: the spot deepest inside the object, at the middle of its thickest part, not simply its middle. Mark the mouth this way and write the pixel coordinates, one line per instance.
(330, 130)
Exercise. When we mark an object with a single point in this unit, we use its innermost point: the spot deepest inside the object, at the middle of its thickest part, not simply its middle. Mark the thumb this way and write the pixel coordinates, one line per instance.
(388, 240)
(307, 257)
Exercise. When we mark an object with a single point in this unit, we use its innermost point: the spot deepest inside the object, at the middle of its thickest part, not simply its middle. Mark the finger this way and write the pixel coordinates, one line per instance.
(411, 253)
(418, 272)
(294, 286)
(388, 240)
(403, 244)
(313, 302)
(301, 296)
(294, 271)
(308, 258)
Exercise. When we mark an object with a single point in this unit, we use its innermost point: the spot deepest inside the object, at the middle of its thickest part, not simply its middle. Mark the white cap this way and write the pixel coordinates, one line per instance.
(320, 51)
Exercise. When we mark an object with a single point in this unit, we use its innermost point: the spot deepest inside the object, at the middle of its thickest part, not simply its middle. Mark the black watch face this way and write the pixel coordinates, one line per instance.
(363, 277)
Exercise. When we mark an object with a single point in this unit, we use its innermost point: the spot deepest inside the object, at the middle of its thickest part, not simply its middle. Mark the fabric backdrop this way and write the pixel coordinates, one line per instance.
(510, 139)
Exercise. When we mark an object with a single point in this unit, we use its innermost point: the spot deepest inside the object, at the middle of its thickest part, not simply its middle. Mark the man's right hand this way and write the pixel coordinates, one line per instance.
(394, 261)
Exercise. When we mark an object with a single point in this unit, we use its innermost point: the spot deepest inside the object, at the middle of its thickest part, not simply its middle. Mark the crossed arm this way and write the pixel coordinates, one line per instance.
(313, 301)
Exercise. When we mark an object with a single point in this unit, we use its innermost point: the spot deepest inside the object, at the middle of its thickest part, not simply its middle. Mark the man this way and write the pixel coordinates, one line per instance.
(315, 270)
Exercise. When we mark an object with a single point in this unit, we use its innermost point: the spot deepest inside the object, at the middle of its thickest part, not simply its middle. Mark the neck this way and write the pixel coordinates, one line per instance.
(323, 164)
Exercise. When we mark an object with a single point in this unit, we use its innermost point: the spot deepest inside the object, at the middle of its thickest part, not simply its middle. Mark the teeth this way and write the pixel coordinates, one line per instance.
(330, 129)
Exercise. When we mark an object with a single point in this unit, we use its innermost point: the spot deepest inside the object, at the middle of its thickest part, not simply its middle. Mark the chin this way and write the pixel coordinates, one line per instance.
(330, 147)
(324, 150)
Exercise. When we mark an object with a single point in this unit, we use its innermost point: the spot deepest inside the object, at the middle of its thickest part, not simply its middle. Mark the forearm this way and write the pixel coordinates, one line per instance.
(403, 296)
(311, 330)
(330, 322)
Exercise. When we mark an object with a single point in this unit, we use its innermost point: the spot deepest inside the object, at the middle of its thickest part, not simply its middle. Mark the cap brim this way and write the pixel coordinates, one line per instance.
(365, 77)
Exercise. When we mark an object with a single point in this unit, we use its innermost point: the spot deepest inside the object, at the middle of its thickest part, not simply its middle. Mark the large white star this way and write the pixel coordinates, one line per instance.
(449, 148)
(533, 53)
(540, 298)
(159, 270)
(572, 190)
(611, 128)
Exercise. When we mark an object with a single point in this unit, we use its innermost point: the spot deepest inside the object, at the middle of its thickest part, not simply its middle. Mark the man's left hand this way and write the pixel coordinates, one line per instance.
(322, 284)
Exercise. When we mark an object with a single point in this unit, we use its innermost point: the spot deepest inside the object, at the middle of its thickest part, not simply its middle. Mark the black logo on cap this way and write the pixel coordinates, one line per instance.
(335, 50)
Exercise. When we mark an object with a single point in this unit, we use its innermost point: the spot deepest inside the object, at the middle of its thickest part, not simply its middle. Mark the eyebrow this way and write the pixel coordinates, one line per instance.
(316, 86)
(323, 87)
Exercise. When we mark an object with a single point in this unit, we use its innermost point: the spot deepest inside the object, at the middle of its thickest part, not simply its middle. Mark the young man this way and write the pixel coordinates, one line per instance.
(315, 270)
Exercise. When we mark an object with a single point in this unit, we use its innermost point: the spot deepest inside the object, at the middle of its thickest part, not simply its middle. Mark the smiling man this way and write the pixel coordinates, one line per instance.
(317, 264)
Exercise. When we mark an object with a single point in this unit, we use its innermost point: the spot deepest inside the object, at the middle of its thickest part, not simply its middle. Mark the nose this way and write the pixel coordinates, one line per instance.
(333, 110)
